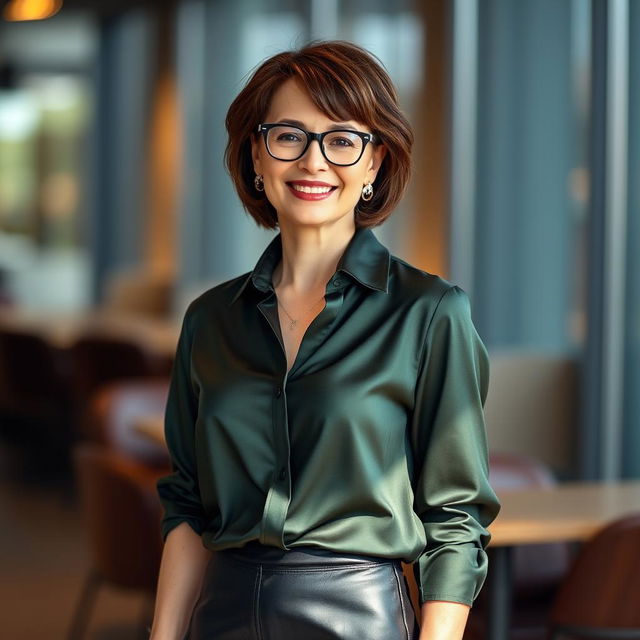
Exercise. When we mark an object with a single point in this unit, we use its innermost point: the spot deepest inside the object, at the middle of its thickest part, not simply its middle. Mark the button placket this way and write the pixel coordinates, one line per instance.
(282, 472)
(279, 495)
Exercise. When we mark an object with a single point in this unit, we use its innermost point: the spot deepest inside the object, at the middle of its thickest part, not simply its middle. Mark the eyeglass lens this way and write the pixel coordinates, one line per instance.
(287, 143)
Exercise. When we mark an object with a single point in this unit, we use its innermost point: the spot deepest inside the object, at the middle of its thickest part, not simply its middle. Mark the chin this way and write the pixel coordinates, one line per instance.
(315, 219)
(306, 221)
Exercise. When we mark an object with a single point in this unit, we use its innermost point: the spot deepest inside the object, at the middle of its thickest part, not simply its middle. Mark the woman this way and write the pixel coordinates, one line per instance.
(325, 412)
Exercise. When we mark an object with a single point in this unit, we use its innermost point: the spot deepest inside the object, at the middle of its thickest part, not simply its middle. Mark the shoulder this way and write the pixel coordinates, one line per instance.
(429, 289)
(444, 312)
(214, 300)
(439, 305)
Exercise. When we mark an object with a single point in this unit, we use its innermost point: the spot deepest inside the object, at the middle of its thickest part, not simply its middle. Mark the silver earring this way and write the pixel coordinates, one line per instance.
(258, 182)
(367, 192)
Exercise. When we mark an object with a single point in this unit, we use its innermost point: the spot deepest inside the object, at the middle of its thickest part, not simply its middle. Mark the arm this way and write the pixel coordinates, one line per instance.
(184, 561)
(184, 558)
(452, 495)
(443, 620)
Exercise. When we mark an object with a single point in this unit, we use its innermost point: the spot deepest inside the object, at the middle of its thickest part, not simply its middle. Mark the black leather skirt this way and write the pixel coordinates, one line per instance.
(261, 592)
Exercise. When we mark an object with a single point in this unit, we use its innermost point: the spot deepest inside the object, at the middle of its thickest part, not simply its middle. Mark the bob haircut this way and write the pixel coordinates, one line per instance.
(345, 82)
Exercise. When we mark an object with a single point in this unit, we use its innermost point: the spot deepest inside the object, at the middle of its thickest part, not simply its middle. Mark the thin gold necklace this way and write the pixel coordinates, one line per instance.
(294, 321)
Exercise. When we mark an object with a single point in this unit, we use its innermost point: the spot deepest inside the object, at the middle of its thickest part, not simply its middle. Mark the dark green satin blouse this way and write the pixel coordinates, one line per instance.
(373, 443)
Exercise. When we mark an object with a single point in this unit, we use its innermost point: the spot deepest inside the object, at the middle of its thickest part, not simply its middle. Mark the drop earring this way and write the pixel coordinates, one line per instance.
(258, 182)
(367, 192)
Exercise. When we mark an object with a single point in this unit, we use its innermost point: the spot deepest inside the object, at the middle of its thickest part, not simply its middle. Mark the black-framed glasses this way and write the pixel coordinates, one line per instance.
(342, 147)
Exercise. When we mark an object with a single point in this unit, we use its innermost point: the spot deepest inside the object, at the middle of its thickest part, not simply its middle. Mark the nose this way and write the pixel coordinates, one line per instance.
(312, 160)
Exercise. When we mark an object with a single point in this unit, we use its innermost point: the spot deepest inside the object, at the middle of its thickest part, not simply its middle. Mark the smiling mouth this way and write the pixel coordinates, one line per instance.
(304, 189)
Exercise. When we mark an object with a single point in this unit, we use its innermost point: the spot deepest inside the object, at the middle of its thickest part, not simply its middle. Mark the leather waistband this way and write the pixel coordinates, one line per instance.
(255, 551)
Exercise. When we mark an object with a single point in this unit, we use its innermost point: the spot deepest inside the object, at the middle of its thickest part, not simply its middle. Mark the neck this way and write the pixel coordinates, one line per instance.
(310, 256)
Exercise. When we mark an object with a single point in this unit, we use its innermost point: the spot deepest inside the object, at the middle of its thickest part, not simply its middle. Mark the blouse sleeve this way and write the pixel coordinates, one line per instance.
(452, 494)
(179, 491)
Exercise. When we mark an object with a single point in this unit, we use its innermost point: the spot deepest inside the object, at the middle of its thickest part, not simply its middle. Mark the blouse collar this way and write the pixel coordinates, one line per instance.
(365, 259)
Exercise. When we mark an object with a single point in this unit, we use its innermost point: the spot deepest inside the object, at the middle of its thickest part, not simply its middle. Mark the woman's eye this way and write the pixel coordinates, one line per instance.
(288, 137)
(342, 142)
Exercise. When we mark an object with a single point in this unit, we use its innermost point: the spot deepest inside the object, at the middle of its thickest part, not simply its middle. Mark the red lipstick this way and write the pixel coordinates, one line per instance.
(311, 189)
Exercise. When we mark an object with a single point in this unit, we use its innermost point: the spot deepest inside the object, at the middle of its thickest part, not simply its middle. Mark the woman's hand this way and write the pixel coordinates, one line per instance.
(443, 620)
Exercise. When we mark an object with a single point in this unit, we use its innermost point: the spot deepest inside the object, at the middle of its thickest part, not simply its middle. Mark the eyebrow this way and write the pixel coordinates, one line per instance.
(301, 125)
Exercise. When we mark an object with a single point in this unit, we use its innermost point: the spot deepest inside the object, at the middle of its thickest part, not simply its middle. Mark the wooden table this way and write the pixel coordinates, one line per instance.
(568, 512)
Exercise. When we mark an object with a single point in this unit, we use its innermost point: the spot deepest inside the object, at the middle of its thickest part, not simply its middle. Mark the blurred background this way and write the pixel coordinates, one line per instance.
(116, 211)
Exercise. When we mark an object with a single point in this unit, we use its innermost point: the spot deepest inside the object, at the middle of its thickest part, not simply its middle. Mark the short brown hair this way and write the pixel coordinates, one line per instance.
(345, 82)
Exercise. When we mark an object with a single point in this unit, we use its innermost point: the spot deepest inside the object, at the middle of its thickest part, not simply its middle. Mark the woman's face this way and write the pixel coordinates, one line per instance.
(284, 181)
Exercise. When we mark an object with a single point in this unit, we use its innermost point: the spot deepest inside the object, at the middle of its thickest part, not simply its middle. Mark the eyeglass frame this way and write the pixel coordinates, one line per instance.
(265, 127)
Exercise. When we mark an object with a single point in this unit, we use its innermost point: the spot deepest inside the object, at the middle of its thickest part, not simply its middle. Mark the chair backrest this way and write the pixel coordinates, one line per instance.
(537, 567)
(32, 373)
(122, 514)
(602, 588)
(113, 413)
(96, 360)
(99, 359)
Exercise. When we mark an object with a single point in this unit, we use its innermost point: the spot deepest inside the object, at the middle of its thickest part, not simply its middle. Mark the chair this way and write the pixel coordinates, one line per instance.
(100, 359)
(600, 596)
(538, 568)
(115, 407)
(35, 402)
(123, 513)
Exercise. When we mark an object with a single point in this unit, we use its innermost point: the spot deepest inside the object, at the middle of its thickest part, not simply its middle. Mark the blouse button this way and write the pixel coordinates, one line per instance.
(278, 392)
(337, 280)
(283, 474)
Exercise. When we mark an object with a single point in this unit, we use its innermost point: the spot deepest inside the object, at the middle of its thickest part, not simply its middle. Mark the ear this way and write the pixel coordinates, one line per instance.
(375, 163)
(255, 154)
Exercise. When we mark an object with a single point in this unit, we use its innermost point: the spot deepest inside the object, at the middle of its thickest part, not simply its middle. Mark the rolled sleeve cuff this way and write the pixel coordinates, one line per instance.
(454, 573)
(180, 505)
(171, 522)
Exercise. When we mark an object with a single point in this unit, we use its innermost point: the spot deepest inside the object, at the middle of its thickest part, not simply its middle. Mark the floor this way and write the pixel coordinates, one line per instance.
(44, 559)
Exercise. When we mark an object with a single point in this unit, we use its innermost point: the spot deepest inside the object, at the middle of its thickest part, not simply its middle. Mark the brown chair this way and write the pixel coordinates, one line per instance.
(538, 569)
(122, 513)
(114, 409)
(35, 402)
(600, 596)
(97, 360)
